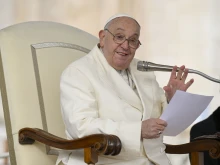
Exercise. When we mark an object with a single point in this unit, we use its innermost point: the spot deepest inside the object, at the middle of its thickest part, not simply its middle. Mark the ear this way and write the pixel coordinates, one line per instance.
(101, 37)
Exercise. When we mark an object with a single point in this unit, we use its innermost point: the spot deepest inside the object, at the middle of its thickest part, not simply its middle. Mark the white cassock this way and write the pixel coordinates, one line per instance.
(96, 99)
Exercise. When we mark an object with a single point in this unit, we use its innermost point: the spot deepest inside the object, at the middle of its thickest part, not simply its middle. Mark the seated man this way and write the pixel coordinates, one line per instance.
(209, 126)
(103, 92)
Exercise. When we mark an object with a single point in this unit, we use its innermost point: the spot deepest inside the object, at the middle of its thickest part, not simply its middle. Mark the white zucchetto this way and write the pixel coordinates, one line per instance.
(117, 16)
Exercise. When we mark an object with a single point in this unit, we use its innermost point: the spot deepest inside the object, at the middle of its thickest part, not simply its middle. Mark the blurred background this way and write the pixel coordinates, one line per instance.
(173, 32)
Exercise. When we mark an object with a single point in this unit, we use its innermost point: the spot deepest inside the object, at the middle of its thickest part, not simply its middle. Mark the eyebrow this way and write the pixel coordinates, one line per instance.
(120, 29)
(124, 30)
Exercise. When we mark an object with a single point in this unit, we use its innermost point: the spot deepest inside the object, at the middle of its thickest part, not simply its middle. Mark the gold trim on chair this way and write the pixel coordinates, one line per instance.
(60, 44)
(34, 47)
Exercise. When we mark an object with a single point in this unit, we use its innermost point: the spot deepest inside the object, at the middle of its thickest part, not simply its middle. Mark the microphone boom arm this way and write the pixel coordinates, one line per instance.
(149, 66)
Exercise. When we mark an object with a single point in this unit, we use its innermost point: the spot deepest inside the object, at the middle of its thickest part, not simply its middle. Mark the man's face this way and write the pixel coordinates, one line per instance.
(119, 56)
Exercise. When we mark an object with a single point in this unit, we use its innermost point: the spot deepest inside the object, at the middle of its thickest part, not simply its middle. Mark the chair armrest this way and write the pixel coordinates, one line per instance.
(211, 145)
(93, 144)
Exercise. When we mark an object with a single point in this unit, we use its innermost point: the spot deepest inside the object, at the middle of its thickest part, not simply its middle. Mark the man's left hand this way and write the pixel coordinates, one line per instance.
(177, 82)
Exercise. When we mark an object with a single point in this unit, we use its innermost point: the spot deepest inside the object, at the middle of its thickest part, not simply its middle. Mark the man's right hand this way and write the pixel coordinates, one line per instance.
(152, 128)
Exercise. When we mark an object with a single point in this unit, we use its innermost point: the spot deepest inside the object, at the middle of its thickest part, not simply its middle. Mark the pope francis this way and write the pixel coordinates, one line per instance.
(103, 92)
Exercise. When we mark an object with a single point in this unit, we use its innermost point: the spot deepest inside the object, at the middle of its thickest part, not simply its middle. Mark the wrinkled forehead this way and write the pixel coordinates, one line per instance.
(114, 18)
(124, 25)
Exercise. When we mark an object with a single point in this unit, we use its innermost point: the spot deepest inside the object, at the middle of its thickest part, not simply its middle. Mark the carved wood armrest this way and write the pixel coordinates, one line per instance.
(93, 144)
(211, 145)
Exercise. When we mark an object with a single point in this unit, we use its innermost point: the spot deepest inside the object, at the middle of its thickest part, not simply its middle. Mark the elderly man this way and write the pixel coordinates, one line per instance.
(103, 92)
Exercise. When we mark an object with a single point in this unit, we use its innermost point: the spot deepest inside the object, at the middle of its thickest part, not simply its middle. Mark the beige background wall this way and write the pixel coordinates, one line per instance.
(174, 32)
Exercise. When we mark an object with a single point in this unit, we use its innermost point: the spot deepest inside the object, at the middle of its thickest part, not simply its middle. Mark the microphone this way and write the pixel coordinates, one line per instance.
(149, 66)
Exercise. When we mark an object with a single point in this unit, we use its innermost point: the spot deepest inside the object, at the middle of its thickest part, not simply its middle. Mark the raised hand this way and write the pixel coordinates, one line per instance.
(177, 82)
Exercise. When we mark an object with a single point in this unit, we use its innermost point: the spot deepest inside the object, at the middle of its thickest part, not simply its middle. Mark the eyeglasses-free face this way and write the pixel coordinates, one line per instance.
(120, 39)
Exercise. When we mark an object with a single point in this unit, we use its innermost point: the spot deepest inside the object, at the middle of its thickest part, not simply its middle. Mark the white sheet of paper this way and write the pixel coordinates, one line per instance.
(182, 111)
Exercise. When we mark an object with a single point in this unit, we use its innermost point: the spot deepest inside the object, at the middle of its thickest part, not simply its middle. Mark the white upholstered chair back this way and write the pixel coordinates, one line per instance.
(32, 58)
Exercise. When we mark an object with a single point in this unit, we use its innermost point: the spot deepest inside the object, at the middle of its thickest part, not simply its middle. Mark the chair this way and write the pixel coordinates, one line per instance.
(4, 155)
(32, 57)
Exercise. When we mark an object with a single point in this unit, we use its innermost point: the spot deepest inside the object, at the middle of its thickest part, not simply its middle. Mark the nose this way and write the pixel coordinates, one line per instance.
(125, 44)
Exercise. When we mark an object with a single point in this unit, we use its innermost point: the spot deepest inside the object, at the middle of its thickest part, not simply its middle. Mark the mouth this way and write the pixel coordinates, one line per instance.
(122, 53)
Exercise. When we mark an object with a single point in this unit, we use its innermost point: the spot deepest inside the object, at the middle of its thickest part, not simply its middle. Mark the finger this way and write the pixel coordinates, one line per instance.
(189, 83)
(157, 135)
(161, 122)
(180, 72)
(156, 132)
(167, 88)
(186, 71)
(160, 128)
(168, 92)
(160, 132)
(173, 73)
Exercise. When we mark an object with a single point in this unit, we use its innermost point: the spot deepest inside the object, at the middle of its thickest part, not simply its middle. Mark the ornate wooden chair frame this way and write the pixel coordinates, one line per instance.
(96, 144)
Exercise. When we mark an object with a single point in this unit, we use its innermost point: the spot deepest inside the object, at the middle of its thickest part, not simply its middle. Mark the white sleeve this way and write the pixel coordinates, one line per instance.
(80, 113)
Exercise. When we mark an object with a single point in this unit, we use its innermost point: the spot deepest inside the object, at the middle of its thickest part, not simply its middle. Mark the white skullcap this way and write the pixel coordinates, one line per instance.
(117, 16)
